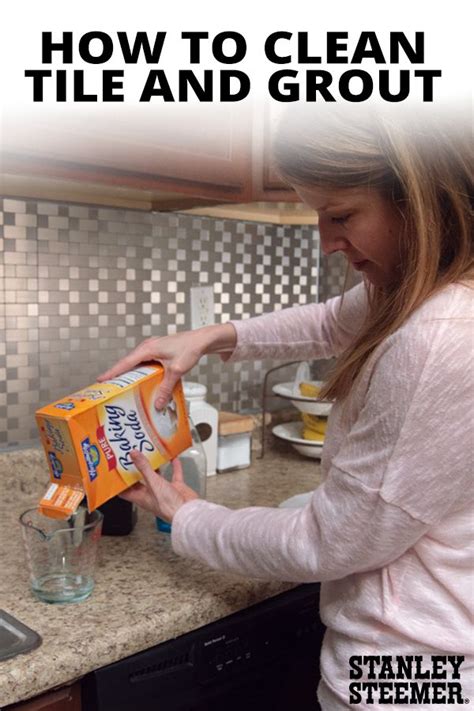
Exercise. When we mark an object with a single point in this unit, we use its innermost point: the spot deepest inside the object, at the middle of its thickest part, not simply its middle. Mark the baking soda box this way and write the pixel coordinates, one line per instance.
(88, 438)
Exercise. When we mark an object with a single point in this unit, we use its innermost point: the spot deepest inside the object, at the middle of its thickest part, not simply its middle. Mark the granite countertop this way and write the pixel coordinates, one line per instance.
(144, 593)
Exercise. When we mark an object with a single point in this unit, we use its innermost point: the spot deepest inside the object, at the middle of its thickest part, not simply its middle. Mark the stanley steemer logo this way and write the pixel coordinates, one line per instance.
(406, 679)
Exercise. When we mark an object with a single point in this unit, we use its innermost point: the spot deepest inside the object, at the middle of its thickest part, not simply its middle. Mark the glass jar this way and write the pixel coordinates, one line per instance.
(206, 420)
(193, 461)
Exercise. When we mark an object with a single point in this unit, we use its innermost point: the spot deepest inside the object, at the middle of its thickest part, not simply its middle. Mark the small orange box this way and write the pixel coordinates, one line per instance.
(89, 435)
(60, 501)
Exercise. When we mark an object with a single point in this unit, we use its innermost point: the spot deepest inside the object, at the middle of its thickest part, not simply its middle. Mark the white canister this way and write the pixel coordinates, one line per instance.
(205, 418)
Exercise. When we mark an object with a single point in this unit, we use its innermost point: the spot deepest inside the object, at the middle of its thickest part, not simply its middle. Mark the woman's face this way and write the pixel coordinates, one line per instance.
(362, 224)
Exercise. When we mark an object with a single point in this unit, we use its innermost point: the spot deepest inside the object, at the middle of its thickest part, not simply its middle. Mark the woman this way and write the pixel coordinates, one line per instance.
(387, 531)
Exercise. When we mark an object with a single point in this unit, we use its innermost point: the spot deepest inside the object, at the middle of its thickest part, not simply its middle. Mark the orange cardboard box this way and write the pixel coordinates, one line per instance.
(89, 435)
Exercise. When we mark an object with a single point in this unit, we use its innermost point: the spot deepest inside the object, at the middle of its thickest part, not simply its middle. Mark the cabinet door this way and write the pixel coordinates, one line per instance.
(267, 183)
(200, 152)
(66, 699)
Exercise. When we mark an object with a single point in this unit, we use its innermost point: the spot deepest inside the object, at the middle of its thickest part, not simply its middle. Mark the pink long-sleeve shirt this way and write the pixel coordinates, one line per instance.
(389, 530)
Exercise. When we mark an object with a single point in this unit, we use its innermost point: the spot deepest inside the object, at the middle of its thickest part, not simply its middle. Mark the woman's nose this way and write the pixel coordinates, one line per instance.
(331, 242)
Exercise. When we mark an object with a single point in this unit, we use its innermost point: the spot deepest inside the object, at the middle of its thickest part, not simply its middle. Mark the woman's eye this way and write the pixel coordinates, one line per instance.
(340, 220)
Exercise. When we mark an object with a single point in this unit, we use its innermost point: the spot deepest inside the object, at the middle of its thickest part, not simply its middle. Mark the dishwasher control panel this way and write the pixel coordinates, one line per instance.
(249, 644)
(265, 656)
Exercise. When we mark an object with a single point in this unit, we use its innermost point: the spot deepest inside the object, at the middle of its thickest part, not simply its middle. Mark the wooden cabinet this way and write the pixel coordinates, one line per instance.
(167, 154)
(66, 699)
(142, 157)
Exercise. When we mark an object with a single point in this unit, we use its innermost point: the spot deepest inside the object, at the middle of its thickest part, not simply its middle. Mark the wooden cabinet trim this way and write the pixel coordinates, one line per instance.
(13, 164)
(67, 698)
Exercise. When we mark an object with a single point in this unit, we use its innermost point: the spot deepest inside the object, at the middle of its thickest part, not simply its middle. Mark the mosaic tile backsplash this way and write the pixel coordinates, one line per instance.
(80, 286)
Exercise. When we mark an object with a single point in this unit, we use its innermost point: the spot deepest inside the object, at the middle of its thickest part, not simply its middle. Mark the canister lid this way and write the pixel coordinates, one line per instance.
(231, 423)
(194, 391)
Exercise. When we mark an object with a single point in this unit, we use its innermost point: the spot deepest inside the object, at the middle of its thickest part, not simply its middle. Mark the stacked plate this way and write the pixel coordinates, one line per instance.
(292, 432)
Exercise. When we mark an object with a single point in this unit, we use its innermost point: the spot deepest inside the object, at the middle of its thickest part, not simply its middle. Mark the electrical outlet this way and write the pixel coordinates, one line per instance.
(202, 306)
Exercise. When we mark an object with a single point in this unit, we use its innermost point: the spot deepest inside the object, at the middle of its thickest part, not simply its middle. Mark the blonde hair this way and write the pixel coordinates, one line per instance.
(425, 168)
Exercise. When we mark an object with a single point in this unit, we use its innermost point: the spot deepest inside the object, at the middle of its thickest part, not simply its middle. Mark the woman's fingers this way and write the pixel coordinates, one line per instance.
(161, 497)
(137, 494)
(138, 355)
(165, 391)
(178, 475)
(150, 477)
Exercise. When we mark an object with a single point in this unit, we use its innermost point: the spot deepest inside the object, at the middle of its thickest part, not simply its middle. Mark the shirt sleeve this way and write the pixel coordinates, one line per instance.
(302, 332)
(405, 464)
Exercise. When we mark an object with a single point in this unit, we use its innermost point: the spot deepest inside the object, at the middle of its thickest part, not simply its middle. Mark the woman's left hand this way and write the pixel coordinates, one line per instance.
(155, 493)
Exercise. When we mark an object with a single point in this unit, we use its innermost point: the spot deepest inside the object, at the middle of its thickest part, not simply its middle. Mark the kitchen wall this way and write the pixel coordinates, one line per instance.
(80, 286)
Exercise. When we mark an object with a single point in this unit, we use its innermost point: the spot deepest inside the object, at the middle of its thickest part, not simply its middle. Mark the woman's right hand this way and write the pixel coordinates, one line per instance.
(154, 493)
(177, 353)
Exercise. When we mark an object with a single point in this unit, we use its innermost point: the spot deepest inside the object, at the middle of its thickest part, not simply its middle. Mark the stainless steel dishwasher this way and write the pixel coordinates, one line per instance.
(264, 657)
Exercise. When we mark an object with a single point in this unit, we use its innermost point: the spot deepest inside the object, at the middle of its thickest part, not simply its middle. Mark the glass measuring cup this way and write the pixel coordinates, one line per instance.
(61, 553)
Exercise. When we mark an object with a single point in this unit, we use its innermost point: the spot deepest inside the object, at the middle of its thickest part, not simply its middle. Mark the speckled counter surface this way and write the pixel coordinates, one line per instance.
(144, 593)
